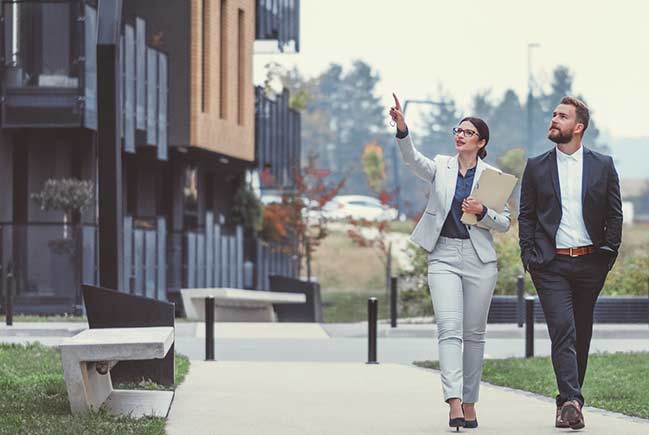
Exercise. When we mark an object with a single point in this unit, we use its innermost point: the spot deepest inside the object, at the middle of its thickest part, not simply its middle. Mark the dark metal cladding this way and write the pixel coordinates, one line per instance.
(279, 20)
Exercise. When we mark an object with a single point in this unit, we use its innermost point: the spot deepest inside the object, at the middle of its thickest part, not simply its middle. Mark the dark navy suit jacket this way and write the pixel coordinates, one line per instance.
(540, 207)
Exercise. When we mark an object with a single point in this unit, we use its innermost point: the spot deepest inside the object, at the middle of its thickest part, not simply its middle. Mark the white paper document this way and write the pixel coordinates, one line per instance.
(493, 190)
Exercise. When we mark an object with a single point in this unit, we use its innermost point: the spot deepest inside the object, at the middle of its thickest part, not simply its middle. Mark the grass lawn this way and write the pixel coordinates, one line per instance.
(33, 398)
(615, 381)
(342, 266)
(405, 227)
(348, 276)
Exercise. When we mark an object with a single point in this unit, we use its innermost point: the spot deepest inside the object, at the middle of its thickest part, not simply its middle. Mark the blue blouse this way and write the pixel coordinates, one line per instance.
(453, 226)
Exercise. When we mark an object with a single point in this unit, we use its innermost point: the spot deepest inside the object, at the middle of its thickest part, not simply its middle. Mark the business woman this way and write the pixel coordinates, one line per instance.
(461, 258)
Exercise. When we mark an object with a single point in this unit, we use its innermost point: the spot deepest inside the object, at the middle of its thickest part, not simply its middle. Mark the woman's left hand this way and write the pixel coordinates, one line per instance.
(472, 206)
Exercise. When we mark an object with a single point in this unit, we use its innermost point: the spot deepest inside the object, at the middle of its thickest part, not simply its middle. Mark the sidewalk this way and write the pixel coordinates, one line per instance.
(241, 398)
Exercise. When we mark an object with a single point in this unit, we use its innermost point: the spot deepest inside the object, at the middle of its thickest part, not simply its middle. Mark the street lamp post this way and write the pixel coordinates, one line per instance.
(530, 97)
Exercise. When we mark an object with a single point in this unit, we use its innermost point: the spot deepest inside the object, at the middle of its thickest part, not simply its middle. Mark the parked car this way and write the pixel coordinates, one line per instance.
(310, 204)
(358, 207)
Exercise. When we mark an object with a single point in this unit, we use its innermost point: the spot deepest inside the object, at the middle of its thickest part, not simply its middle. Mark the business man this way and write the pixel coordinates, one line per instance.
(570, 228)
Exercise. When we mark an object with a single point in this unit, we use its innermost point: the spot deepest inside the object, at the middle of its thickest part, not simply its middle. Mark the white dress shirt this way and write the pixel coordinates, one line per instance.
(572, 231)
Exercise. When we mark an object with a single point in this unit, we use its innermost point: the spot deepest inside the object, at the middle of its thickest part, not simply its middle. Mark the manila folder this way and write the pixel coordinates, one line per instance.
(492, 189)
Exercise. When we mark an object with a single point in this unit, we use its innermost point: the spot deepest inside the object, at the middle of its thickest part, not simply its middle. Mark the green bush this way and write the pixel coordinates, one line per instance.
(415, 303)
(345, 307)
(509, 264)
(629, 276)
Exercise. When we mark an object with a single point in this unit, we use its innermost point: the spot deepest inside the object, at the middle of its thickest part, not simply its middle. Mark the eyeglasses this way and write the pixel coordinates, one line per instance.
(466, 133)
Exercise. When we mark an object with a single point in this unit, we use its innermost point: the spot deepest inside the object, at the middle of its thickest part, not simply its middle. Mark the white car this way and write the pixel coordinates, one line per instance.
(358, 207)
(311, 206)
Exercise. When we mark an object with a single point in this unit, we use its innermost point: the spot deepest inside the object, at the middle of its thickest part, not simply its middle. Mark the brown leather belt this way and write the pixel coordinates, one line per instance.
(576, 252)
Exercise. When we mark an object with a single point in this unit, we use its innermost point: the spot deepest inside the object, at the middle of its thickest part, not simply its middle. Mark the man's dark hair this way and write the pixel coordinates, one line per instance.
(483, 132)
(583, 114)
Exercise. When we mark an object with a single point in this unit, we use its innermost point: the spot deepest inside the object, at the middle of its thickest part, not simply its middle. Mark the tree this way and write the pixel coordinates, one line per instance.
(70, 196)
(482, 106)
(374, 234)
(374, 166)
(247, 209)
(513, 162)
(438, 124)
(296, 225)
(341, 113)
(506, 126)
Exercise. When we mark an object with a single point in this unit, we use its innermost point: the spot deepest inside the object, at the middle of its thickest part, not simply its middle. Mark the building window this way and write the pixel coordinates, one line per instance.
(241, 73)
(205, 56)
(190, 197)
(40, 50)
(223, 41)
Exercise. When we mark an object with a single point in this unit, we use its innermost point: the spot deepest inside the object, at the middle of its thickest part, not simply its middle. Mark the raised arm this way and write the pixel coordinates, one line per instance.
(420, 165)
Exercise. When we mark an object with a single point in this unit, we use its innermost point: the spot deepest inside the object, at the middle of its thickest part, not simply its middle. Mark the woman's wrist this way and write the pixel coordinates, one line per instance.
(402, 132)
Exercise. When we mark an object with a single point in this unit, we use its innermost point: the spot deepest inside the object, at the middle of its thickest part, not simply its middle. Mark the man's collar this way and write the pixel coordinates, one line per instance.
(576, 156)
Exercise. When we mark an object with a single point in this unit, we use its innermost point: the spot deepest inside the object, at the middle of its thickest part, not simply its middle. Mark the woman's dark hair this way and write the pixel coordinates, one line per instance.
(483, 132)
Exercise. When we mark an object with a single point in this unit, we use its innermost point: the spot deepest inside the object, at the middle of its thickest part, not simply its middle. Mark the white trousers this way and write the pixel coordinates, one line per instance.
(461, 286)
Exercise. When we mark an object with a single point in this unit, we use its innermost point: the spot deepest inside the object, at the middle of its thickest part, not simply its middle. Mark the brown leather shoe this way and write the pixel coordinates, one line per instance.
(558, 422)
(571, 414)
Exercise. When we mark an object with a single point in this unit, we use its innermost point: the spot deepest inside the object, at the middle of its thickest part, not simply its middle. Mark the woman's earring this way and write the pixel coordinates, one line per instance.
(392, 124)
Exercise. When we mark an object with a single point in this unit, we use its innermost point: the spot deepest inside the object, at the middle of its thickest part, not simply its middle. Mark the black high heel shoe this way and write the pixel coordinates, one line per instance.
(457, 423)
(470, 424)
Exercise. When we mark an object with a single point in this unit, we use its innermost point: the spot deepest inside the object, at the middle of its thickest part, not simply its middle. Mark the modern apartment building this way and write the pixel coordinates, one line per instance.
(192, 126)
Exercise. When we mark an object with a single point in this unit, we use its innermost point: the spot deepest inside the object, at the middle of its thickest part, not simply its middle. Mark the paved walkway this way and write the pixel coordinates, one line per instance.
(284, 398)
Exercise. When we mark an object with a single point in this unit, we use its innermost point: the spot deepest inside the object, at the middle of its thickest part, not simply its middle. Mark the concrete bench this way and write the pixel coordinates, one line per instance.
(88, 357)
(236, 305)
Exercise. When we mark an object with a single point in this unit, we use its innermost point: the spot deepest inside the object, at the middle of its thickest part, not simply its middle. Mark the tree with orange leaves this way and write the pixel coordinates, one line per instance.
(372, 234)
(297, 224)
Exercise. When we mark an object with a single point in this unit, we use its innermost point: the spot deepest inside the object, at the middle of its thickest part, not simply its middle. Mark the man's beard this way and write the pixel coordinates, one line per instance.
(560, 138)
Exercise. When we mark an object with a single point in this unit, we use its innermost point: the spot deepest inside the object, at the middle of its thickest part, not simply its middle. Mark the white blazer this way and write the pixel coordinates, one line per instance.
(441, 172)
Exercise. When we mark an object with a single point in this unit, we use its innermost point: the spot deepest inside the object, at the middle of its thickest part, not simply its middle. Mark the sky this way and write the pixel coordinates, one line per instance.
(424, 48)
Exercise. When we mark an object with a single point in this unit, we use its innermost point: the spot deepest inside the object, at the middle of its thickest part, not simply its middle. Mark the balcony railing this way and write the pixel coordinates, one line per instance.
(279, 20)
(48, 52)
(272, 260)
(145, 90)
(145, 259)
(43, 57)
(277, 139)
(210, 257)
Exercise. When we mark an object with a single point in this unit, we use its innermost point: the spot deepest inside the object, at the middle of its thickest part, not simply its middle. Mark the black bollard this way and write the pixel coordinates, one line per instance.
(529, 327)
(393, 301)
(520, 300)
(372, 314)
(9, 295)
(209, 329)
